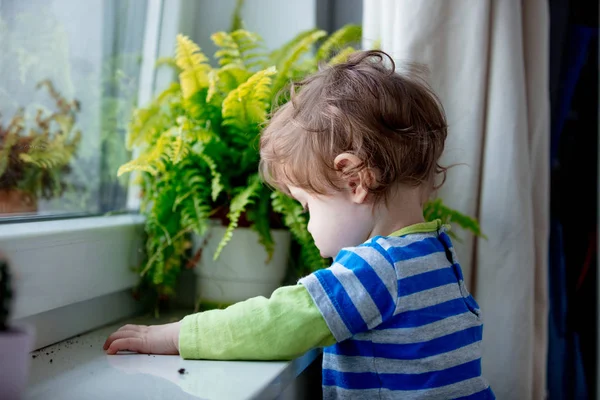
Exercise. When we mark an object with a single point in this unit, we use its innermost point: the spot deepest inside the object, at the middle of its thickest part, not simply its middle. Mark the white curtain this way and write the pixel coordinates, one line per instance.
(488, 62)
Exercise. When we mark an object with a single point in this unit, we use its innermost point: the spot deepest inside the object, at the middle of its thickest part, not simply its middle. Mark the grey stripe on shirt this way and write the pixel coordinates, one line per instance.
(402, 241)
(422, 333)
(419, 265)
(459, 389)
(427, 298)
(382, 267)
(381, 365)
(358, 294)
(337, 327)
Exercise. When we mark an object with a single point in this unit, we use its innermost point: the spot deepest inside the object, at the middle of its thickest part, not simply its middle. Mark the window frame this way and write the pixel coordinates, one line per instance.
(62, 287)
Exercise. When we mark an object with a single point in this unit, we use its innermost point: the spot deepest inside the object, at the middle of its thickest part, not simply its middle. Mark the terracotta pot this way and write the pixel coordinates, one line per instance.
(15, 201)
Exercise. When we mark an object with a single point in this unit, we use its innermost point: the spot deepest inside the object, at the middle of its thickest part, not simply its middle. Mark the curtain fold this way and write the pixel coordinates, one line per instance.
(488, 62)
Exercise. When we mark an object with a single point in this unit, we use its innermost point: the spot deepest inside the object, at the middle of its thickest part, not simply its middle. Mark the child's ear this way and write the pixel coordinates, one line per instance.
(357, 183)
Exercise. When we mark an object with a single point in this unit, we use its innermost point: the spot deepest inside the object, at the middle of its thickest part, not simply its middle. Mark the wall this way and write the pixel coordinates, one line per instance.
(276, 21)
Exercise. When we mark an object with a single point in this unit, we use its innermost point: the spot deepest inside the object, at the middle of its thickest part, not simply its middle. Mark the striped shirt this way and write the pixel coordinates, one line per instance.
(405, 325)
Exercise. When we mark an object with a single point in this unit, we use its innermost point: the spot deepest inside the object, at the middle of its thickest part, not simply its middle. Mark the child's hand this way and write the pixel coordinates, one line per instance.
(157, 339)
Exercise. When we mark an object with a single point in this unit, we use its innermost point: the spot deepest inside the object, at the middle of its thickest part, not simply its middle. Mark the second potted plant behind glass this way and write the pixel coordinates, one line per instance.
(35, 154)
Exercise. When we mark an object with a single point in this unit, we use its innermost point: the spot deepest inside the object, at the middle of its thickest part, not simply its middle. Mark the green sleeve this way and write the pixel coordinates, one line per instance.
(280, 328)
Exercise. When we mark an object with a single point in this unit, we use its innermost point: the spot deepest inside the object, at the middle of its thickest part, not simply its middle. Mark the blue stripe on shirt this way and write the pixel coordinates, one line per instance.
(341, 301)
(485, 394)
(409, 351)
(370, 280)
(351, 380)
(427, 380)
(416, 249)
(426, 315)
(426, 280)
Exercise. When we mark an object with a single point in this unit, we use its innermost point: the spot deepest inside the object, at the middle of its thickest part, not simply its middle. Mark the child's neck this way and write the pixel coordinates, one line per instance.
(403, 208)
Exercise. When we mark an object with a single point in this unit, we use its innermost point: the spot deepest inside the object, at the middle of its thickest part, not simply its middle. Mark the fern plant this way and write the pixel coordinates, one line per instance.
(35, 153)
(198, 142)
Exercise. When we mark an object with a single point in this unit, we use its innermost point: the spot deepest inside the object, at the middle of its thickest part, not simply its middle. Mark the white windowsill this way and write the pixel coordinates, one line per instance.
(71, 271)
(81, 370)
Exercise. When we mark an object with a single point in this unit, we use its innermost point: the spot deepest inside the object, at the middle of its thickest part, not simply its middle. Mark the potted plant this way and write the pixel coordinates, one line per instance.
(199, 157)
(15, 344)
(35, 154)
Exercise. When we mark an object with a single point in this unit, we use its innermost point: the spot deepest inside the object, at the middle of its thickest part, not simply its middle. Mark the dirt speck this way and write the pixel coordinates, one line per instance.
(33, 356)
(181, 371)
(50, 361)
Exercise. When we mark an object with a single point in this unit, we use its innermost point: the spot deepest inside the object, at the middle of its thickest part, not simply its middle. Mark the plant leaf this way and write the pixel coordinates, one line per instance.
(246, 106)
(194, 66)
(237, 206)
(342, 56)
(346, 35)
(260, 216)
(289, 59)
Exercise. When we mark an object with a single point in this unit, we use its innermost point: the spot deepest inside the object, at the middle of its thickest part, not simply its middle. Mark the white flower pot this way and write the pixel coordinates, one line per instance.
(241, 271)
(15, 346)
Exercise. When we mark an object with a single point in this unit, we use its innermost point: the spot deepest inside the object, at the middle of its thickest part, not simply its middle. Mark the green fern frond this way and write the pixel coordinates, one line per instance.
(342, 56)
(9, 141)
(153, 159)
(436, 209)
(236, 19)
(195, 214)
(159, 268)
(48, 156)
(136, 165)
(278, 56)
(260, 216)
(194, 66)
(65, 122)
(204, 113)
(295, 219)
(226, 79)
(232, 76)
(179, 149)
(237, 207)
(343, 37)
(237, 48)
(288, 61)
(212, 84)
(246, 106)
(216, 185)
(147, 122)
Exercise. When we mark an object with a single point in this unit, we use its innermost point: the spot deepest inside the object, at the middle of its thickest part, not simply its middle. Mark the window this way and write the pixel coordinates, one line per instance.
(69, 74)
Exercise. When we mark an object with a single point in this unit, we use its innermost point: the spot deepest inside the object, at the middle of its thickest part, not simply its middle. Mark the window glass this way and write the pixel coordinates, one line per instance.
(69, 73)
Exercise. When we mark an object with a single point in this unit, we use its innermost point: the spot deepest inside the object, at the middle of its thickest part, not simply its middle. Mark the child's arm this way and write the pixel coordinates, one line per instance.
(282, 327)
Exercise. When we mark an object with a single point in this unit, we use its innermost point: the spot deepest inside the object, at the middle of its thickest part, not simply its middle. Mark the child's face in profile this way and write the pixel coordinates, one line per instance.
(336, 220)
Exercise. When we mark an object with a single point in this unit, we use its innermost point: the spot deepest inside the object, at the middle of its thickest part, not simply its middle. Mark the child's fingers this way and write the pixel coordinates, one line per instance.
(119, 335)
(131, 327)
(131, 344)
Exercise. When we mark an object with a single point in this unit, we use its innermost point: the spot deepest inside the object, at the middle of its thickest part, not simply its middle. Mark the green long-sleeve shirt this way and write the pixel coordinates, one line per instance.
(280, 328)
(285, 326)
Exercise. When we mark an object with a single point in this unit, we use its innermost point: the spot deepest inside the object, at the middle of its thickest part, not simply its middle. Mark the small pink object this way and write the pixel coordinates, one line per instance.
(15, 346)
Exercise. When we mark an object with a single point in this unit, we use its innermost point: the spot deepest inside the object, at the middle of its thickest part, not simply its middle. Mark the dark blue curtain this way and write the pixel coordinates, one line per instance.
(572, 321)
